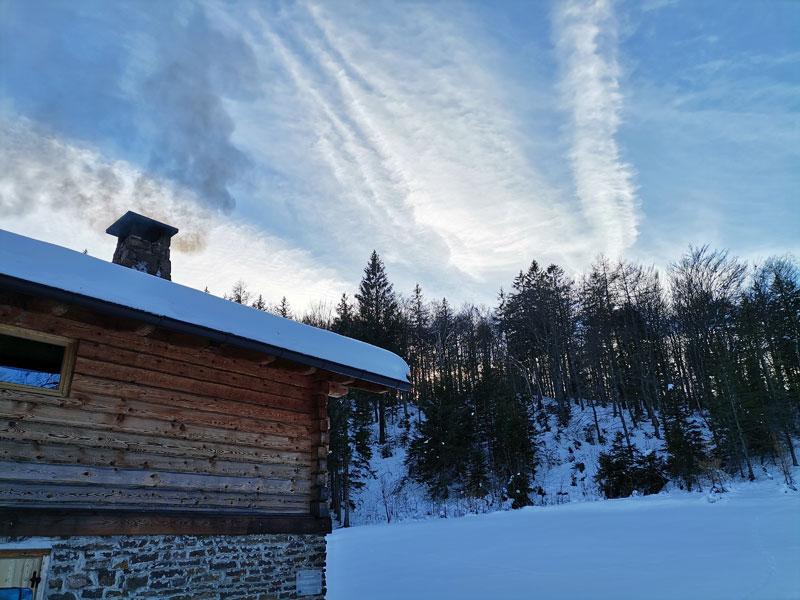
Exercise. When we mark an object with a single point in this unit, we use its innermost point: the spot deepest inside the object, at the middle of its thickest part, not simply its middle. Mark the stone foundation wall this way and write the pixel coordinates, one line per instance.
(251, 567)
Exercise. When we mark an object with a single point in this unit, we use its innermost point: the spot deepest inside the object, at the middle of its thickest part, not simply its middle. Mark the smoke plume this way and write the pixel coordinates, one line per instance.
(200, 67)
(39, 171)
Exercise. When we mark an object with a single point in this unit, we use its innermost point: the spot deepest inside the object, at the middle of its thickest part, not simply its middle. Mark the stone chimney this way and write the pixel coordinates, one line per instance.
(143, 244)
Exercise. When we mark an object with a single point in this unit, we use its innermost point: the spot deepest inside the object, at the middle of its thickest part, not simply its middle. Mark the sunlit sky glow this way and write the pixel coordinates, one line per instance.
(461, 140)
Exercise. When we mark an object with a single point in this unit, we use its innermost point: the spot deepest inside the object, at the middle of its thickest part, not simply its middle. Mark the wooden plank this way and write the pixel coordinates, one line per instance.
(87, 366)
(83, 384)
(94, 328)
(171, 366)
(47, 338)
(37, 412)
(368, 386)
(88, 326)
(48, 494)
(114, 439)
(196, 415)
(55, 453)
(75, 522)
(18, 553)
(30, 472)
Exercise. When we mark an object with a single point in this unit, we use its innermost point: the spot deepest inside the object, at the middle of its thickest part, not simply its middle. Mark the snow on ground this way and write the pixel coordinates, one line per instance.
(744, 544)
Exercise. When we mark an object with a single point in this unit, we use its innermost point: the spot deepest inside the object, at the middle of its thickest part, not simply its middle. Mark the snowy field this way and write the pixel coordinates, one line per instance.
(742, 544)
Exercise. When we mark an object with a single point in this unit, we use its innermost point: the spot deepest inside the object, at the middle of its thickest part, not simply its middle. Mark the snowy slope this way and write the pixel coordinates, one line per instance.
(671, 545)
(565, 457)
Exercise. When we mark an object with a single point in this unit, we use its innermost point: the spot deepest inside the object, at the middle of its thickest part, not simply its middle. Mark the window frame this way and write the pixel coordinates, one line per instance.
(67, 362)
(21, 551)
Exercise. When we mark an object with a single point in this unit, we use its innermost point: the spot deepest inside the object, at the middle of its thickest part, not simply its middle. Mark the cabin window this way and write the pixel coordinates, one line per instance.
(34, 360)
(22, 573)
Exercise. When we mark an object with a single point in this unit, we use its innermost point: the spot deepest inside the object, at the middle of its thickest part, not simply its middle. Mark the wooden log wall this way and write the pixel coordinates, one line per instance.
(160, 420)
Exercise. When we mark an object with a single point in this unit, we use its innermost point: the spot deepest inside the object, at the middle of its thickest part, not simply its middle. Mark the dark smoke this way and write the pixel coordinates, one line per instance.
(148, 83)
(184, 101)
(38, 172)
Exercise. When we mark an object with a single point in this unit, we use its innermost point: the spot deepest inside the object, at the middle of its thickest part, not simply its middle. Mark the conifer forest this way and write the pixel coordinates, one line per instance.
(706, 355)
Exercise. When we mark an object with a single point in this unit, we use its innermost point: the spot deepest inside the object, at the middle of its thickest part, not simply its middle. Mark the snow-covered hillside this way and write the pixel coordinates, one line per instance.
(741, 544)
(567, 462)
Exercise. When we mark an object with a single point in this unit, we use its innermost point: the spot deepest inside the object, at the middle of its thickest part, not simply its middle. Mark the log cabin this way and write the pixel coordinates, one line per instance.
(157, 441)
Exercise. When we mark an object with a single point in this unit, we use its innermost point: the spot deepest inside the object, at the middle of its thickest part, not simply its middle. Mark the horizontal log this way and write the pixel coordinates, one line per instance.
(51, 494)
(173, 367)
(48, 451)
(143, 377)
(197, 415)
(60, 522)
(114, 439)
(30, 472)
(38, 412)
(84, 325)
(131, 391)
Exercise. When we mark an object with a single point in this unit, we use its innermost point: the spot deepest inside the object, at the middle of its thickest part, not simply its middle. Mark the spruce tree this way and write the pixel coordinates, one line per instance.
(379, 321)
(284, 310)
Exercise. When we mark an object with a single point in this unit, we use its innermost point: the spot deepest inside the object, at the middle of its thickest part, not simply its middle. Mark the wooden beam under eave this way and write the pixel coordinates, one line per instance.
(366, 386)
(145, 329)
(336, 390)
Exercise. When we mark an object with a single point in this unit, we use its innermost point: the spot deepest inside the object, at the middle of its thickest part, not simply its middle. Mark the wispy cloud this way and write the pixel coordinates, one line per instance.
(457, 139)
(585, 34)
(69, 194)
(415, 145)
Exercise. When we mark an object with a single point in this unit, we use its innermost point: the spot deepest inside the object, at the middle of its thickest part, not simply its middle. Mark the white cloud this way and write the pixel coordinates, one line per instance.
(586, 40)
(388, 127)
(414, 145)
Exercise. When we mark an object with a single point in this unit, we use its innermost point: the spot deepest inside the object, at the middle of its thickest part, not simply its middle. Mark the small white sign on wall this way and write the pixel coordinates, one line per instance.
(309, 583)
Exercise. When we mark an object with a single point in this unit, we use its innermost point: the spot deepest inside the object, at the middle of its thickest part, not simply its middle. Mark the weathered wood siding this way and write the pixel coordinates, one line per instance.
(159, 420)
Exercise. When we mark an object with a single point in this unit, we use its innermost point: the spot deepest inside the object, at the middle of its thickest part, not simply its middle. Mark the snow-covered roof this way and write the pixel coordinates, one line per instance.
(70, 276)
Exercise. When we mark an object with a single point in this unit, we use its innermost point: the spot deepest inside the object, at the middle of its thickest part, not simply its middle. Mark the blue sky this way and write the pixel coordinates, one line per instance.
(460, 140)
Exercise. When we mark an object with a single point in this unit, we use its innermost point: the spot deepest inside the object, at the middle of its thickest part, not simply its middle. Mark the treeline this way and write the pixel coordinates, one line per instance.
(709, 358)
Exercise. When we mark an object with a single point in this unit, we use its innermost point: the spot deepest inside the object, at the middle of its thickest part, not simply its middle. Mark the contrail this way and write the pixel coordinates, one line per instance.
(586, 42)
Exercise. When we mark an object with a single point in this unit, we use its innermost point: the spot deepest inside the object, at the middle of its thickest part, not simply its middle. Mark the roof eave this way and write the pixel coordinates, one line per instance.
(217, 336)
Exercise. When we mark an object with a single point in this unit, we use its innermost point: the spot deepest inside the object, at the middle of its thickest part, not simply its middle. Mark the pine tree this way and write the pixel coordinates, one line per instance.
(344, 321)
(259, 303)
(379, 321)
(511, 434)
(284, 310)
(438, 454)
(686, 453)
(625, 470)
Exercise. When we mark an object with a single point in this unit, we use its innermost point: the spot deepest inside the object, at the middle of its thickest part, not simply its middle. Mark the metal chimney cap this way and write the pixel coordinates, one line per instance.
(132, 222)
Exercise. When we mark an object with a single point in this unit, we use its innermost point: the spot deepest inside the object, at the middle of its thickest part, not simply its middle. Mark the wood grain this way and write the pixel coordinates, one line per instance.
(54, 453)
(110, 438)
(43, 521)
(27, 472)
(39, 412)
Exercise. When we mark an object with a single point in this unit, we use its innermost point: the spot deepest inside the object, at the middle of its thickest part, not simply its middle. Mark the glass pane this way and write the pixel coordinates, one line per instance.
(29, 362)
(16, 594)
